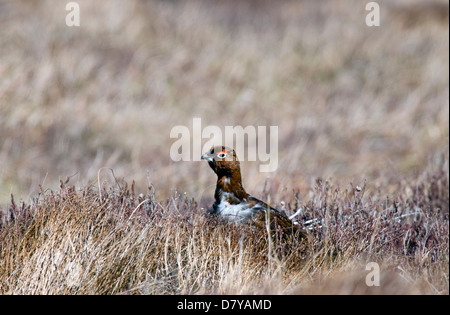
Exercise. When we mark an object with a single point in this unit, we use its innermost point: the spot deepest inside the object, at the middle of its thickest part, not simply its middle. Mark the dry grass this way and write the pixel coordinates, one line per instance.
(83, 242)
(354, 106)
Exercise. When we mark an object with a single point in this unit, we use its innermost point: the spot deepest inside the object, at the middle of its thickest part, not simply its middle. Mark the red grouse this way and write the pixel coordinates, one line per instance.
(232, 203)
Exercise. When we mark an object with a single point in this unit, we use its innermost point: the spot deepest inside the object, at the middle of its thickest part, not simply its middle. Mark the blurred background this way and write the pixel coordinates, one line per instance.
(351, 102)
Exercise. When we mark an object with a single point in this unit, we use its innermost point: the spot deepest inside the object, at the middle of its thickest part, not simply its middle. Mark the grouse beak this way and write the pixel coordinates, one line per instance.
(207, 157)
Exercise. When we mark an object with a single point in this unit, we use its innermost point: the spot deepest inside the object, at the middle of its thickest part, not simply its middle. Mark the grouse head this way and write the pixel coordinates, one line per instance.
(222, 160)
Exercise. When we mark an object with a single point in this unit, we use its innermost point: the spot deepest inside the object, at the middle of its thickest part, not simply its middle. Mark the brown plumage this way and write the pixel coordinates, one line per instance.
(232, 202)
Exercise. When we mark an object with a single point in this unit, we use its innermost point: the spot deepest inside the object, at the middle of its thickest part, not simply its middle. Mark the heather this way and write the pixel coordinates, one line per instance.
(91, 202)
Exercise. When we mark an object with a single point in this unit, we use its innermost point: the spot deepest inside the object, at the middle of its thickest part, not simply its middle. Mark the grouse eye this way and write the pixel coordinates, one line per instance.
(221, 155)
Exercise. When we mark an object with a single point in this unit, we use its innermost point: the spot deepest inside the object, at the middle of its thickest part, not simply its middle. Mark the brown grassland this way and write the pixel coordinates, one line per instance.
(91, 203)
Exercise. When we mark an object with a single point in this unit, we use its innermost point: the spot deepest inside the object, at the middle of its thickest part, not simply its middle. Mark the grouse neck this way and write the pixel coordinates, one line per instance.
(231, 183)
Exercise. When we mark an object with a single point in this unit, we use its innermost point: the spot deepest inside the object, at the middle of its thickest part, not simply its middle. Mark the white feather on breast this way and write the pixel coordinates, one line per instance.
(239, 212)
